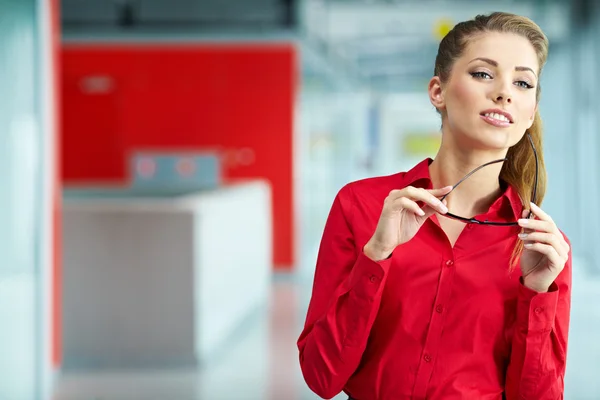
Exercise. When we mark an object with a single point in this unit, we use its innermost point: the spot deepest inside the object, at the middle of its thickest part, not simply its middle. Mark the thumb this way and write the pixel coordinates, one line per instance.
(429, 211)
(525, 214)
(439, 192)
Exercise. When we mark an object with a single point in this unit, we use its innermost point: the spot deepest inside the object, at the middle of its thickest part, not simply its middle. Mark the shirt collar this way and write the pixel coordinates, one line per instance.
(509, 201)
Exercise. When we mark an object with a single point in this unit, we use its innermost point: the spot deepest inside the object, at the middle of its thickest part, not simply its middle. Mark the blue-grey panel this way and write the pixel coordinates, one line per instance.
(175, 170)
(88, 11)
(209, 10)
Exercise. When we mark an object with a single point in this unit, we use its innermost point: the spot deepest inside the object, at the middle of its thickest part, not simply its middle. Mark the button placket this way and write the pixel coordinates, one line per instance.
(433, 340)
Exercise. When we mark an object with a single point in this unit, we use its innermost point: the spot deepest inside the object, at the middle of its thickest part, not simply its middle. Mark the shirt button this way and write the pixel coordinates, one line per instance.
(427, 358)
(538, 310)
(373, 278)
(439, 308)
(449, 263)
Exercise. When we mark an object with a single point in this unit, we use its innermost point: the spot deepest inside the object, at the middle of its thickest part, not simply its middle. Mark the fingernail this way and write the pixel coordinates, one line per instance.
(523, 235)
(533, 204)
(443, 208)
(523, 221)
(528, 245)
(421, 212)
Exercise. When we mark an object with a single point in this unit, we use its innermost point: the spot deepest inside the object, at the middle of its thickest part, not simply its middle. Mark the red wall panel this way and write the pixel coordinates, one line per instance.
(237, 98)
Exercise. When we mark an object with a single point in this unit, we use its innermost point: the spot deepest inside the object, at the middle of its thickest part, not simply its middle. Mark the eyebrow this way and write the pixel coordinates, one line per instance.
(495, 64)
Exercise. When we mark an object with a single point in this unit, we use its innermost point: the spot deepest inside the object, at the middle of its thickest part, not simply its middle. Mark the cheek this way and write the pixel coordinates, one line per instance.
(531, 112)
(462, 93)
(528, 112)
(461, 99)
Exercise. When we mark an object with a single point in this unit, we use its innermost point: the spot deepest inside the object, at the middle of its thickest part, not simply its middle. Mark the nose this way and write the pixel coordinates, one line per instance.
(503, 98)
(503, 95)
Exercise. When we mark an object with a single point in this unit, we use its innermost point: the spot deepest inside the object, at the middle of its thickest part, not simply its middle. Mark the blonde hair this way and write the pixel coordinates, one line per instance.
(519, 169)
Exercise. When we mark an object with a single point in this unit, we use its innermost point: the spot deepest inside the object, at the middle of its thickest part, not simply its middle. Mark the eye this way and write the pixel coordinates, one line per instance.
(481, 75)
(524, 85)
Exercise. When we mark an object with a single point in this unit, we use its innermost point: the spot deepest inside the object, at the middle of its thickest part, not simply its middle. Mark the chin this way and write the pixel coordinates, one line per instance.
(493, 140)
(498, 138)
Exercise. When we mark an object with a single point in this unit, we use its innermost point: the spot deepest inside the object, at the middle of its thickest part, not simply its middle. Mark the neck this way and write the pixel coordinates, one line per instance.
(475, 194)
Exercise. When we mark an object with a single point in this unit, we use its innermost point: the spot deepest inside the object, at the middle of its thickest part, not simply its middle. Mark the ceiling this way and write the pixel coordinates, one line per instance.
(378, 44)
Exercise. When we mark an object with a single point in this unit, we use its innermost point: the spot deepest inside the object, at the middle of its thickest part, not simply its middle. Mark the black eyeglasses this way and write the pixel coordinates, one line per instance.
(493, 223)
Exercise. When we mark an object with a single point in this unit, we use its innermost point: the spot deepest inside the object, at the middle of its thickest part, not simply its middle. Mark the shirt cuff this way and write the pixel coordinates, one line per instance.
(536, 311)
(367, 275)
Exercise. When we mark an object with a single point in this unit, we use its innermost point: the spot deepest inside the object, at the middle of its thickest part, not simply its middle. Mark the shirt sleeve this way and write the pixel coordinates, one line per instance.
(346, 294)
(539, 348)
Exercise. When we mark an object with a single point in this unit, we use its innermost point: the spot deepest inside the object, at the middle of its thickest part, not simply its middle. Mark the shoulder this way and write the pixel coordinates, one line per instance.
(364, 198)
(367, 195)
(377, 186)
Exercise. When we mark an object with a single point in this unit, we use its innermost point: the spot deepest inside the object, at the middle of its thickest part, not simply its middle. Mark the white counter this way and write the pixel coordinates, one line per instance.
(162, 281)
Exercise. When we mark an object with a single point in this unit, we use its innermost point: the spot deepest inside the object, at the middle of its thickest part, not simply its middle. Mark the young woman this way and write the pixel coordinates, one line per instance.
(438, 284)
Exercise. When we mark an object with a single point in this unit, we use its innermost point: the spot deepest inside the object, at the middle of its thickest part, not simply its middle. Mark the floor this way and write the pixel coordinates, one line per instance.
(262, 362)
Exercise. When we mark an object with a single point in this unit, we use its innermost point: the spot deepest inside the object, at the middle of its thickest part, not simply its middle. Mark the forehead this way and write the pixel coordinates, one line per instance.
(508, 49)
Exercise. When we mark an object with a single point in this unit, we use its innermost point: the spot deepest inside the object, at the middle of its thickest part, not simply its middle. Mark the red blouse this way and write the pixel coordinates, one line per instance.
(433, 321)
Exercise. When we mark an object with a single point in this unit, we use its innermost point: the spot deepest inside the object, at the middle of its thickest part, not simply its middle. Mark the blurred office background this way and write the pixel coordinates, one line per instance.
(167, 168)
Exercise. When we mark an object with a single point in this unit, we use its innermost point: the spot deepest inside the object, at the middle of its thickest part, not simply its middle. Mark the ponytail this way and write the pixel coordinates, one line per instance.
(519, 172)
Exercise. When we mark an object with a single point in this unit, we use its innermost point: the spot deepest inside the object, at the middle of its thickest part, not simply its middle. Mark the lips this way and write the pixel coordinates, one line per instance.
(498, 115)
(496, 120)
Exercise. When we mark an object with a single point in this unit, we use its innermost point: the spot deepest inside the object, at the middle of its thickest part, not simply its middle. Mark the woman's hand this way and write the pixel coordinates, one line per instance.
(401, 218)
(546, 250)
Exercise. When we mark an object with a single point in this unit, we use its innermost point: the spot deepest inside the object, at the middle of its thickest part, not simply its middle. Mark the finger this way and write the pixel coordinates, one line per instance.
(565, 244)
(429, 211)
(545, 238)
(537, 225)
(525, 215)
(408, 204)
(441, 191)
(426, 197)
(542, 215)
(553, 257)
(411, 191)
(539, 213)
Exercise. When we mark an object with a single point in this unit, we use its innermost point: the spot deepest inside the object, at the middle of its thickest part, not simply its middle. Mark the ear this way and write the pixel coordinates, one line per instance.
(532, 117)
(436, 93)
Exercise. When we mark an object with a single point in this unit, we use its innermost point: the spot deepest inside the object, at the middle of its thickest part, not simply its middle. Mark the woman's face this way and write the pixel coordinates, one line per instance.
(489, 99)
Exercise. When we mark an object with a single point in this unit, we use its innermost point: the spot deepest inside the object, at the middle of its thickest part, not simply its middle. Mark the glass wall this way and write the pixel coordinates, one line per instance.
(20, 204)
